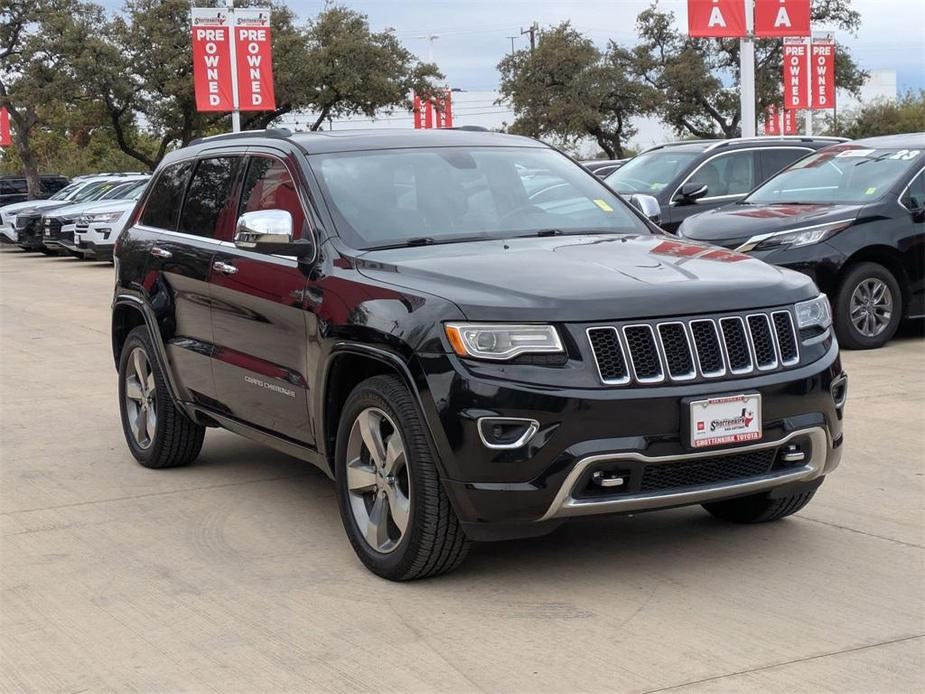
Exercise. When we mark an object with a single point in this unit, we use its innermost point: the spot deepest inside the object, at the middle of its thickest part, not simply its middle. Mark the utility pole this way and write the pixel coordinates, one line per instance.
(236, 110)
(532, 29)
(747, 73)
(430, 38)
(512, 43)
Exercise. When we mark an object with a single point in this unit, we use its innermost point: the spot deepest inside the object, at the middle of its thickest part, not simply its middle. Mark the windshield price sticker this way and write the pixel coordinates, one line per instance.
(732, 419)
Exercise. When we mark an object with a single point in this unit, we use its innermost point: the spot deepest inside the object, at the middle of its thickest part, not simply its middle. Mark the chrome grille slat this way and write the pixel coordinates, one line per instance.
(679, 350)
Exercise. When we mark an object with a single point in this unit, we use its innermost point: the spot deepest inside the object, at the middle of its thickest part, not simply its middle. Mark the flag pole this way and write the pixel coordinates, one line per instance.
(236, 111)
(747, 73)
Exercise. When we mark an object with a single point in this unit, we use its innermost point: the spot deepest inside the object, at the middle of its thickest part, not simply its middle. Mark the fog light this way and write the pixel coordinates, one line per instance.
(839, 390)
(502, 433)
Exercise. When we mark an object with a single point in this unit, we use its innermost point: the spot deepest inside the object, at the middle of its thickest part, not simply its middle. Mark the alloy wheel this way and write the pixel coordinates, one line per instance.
(141, 398)
(871, 307)
(378, 480)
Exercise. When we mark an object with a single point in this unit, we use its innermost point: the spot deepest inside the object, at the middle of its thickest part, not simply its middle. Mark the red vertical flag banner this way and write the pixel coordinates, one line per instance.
(416, 109)
(790, 122)
(715, 18)
(822, 71)
(779, 18)
(254, 56)
(796, 74)
(771, 120)
(212, 59)
(6, 138)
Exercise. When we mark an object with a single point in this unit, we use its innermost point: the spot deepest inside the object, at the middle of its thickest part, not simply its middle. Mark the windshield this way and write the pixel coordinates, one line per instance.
(650, 172)
(121, 191)
(841, 174)
(92, 191)
(67, 192)
(439, 195)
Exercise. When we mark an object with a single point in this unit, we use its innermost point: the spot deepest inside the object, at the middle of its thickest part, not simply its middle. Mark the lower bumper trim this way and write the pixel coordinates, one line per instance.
(567, 505)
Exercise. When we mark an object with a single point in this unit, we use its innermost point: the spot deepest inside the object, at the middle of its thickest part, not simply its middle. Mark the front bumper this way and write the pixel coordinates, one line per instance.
(527, 491)
(95, 240)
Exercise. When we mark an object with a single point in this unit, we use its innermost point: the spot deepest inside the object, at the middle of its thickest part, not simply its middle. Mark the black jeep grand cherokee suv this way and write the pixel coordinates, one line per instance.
(470, 333)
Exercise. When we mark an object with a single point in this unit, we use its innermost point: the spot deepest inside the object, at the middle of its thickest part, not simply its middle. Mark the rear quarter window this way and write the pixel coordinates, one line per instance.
(162, 208)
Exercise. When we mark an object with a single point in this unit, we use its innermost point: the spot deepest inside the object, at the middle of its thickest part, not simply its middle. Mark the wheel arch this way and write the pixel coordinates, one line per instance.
(348, 365)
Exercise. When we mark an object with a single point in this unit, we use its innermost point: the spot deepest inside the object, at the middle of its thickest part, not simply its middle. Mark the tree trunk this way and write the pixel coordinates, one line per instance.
(21, 133)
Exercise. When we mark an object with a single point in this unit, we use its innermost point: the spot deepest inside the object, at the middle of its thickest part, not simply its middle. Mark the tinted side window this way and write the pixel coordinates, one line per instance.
(268, 186)
(163, 204)
(14, 185)
(727, 174)
(914, 197)
(209, 206)
(774, 159)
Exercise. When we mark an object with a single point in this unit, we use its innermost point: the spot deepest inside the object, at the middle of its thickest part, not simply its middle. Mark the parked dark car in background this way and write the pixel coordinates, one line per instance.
(602, 168)
(690, 177)
(852, 217)
(469, 360)
(13, 188)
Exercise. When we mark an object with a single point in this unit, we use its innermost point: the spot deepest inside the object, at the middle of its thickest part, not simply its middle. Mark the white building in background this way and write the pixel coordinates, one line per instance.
(481, 108)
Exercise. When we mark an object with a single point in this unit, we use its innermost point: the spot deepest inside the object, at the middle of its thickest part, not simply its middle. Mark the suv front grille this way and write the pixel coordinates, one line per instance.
(687, 349)
(701, 471)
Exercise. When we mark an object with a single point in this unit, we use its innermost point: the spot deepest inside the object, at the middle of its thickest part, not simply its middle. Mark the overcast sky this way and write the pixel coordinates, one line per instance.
(474, 33)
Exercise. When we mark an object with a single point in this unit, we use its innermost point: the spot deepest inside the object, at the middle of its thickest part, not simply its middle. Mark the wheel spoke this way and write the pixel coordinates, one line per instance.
(149, 386)
(151, 420)
(377, 528)
(399, 507)
(141, 366)
(133, 389)
(141, 425)
(360, 477)
(371, 430)
(394, 454)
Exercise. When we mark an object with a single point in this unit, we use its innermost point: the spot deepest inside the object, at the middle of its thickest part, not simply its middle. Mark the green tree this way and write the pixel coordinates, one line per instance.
(903, 115)
(569, 89)
(346, 69)
(698, 79)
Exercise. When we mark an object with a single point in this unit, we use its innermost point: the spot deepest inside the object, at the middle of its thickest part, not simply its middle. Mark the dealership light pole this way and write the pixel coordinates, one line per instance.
(747, 73)
(236, 110)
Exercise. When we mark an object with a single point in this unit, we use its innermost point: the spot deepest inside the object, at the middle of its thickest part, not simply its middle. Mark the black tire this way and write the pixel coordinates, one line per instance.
(758, 508)
(177, 440)
(849, 336)
(433, 542)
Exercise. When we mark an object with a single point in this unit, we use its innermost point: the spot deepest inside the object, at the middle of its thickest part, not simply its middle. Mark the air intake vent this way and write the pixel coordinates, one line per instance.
(640, 341)
(786, 337)
(736, 341)
(609, 355)
(709, 351)
(760, 328)
(677, 351)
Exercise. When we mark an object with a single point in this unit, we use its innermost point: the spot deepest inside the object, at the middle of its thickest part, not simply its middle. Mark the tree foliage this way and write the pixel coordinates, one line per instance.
(905, 115)
(698, 79)
(569, 89)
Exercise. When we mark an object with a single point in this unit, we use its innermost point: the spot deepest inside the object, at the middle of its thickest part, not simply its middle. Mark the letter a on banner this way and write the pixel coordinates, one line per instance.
(5, 138)
(779, 18)
(796, 74)
(254, 56)
(822, 59)
(212, 59)
(716, 18)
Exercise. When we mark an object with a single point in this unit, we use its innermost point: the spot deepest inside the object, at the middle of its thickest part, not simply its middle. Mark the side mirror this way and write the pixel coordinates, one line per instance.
(648, 205)
(691, 191)
(916, 208)
(269, 231)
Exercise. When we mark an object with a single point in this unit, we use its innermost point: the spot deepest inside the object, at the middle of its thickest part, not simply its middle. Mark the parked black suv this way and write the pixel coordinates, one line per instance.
(694, 176)
(469, 351)
(852, 217)
(14, 188)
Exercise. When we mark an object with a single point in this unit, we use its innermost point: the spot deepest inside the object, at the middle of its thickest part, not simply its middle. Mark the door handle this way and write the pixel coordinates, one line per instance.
(224, 268)
(160, 252)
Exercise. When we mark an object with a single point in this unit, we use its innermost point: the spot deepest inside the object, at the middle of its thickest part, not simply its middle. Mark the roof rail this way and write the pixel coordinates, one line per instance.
(471, 128)
(765, 138)
(278, 133)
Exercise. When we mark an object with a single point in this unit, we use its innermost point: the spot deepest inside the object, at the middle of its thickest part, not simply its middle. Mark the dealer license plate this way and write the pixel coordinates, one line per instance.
(730, 419)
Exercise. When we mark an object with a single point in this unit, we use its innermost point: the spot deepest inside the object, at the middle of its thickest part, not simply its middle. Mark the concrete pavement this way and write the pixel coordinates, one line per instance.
(235, 575)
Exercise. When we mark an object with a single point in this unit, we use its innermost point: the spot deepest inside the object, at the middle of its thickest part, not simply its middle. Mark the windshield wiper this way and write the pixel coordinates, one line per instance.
(420, 241)
(542, 233)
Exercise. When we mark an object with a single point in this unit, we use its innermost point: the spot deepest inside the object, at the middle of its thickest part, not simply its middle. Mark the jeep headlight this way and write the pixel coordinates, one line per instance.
(104, 217)
(500, 342)
(814, 313)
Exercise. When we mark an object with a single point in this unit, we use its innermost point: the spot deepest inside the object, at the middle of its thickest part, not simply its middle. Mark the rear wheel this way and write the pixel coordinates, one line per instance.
(158, 434)
(394, 510)
(759, 508)
(868, 307)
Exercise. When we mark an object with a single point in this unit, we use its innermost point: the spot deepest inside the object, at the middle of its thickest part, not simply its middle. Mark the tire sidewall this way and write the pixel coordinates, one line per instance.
(849, 336)
(394, 564)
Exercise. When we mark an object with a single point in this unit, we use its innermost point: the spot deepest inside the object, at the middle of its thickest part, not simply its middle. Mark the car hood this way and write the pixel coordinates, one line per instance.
(587, 278)
(733, 225)
(18, 208)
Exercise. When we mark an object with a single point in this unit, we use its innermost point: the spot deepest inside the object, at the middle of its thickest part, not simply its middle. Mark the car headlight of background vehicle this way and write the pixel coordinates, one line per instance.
(815, 313)
(794, 238)
(500, 341)
(104, 217)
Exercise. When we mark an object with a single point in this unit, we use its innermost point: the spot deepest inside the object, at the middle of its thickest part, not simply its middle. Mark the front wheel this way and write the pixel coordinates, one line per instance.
(868, 307)
(394, 510)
